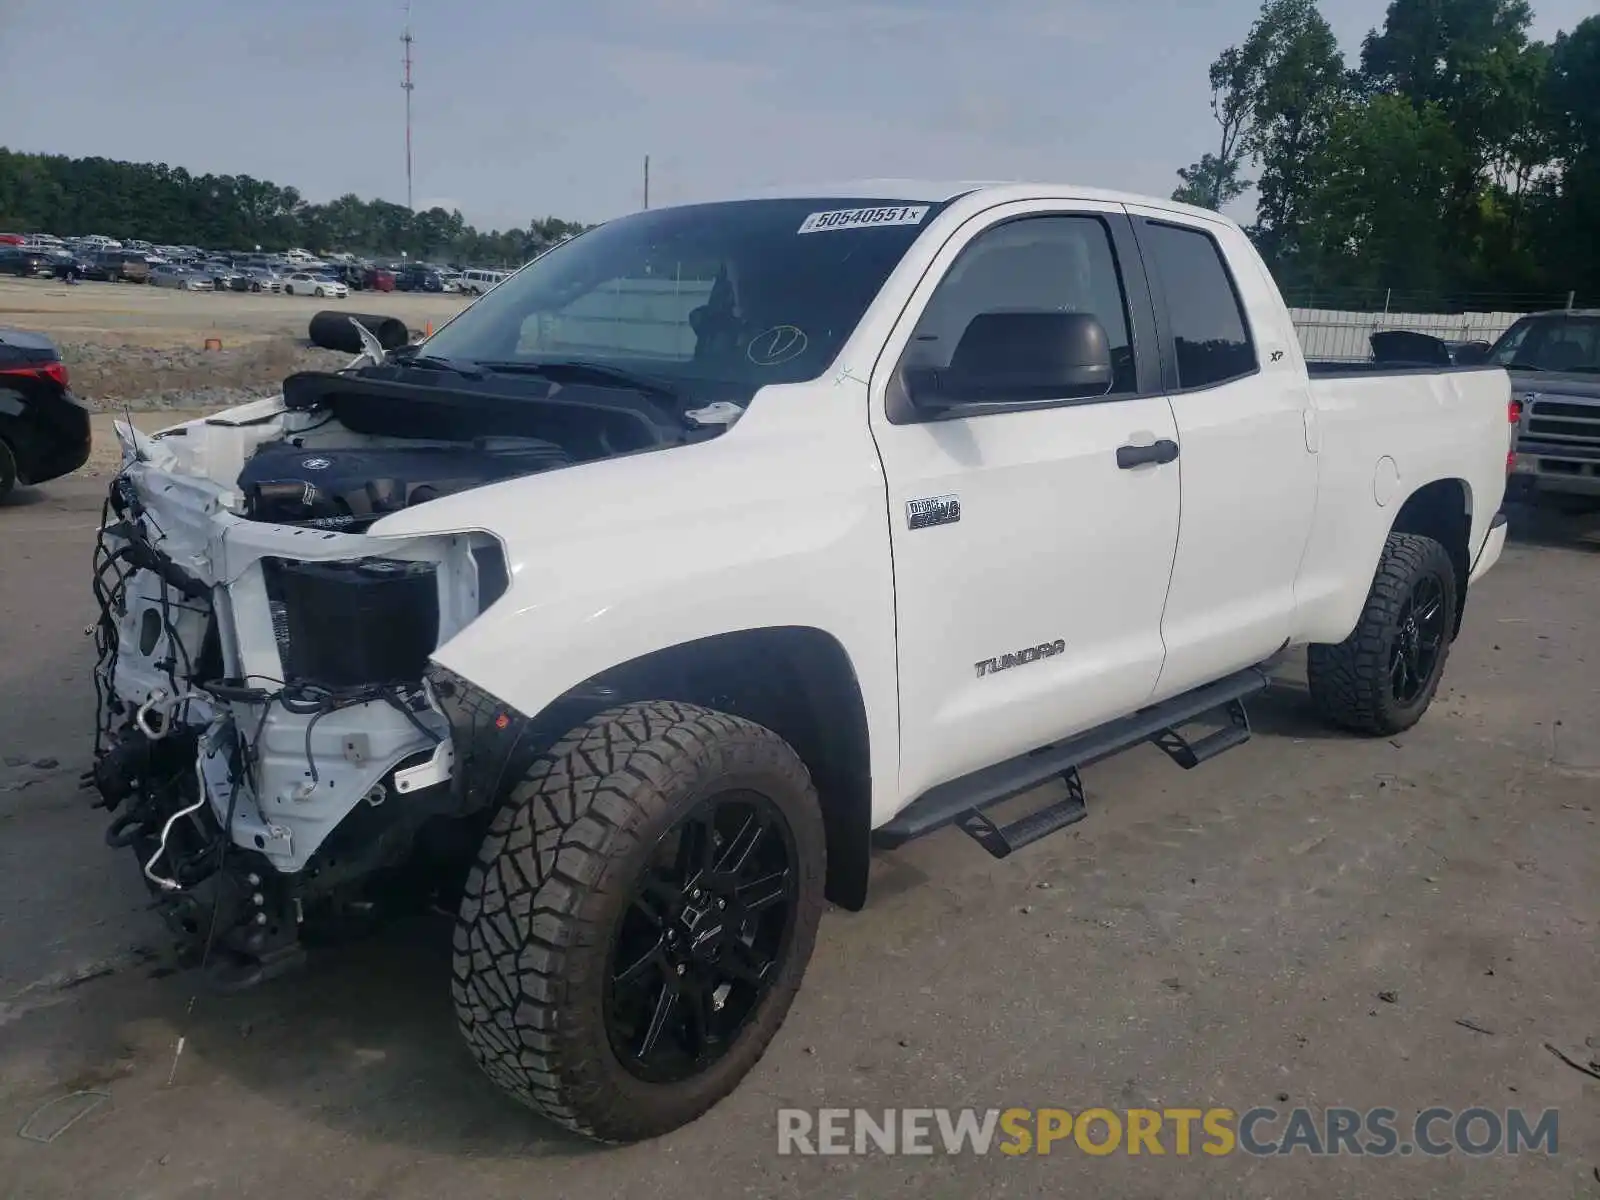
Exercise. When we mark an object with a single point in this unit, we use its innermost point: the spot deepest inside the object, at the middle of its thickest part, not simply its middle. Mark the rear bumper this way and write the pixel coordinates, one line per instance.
(1493, 546)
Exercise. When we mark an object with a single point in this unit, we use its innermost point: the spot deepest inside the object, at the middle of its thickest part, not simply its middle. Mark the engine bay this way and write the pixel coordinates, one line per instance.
(341, 450)
(349, 488)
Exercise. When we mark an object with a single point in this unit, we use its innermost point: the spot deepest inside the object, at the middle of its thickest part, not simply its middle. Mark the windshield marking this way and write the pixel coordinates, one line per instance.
(858, 218)
(777, 345)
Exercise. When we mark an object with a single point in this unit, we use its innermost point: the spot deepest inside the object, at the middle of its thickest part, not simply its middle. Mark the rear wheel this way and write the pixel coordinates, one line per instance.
(1381, 679)
(639, 918)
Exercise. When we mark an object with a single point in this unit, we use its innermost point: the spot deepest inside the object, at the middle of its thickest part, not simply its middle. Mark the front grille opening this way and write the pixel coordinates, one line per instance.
(353, 624)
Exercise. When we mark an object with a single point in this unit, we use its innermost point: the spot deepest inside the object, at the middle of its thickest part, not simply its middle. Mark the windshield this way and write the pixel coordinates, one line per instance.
(715, 299)
(1550, 343)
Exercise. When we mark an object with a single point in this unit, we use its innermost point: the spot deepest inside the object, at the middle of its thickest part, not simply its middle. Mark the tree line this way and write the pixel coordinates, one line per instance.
(48, 193)
(1458, 159)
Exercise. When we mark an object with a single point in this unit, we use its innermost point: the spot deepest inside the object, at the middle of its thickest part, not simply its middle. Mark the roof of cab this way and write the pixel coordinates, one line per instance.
(930, 191)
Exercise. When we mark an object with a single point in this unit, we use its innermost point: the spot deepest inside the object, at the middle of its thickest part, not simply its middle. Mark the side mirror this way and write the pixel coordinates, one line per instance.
(1008, 358)
(1472, 354)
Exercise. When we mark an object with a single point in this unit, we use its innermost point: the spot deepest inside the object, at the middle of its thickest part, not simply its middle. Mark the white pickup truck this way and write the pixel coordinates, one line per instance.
(628, 612)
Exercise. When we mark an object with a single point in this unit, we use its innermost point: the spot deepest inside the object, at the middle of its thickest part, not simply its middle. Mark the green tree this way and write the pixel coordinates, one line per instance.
(1471, 60)
(164, 204)
(1568, 234)
(1384, 173)
(1212, 182)
(1215, 180)
(1296, 84)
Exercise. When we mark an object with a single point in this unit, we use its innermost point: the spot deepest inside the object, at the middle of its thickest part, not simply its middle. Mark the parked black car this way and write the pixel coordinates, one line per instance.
(114, 266)
(419, 279)
(44, 430)
(352, 276)
(24, 261)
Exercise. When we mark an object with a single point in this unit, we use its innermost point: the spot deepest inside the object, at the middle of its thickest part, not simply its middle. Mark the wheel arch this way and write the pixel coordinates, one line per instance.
(798, 681)
(1442, 510)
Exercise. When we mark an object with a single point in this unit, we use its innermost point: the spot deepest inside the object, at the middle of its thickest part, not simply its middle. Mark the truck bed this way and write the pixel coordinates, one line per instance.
(1382, 432)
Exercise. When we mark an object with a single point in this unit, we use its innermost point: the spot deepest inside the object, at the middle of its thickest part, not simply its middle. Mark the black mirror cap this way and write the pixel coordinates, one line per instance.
(1472, 354)
(1017, 357)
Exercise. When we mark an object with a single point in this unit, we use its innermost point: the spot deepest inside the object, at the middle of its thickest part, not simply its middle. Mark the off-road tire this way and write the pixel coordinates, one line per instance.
(8, 470)
(555, 874)
(1350, 682)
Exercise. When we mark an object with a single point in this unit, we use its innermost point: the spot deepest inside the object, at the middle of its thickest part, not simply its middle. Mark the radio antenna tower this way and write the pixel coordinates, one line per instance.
(407, 86)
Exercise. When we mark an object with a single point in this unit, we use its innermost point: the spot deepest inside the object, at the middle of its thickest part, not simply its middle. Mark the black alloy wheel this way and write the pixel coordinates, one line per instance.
(698, 945)
(1419, 637)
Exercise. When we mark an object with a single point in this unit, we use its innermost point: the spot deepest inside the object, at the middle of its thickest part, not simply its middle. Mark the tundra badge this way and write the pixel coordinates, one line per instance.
(1005, 662)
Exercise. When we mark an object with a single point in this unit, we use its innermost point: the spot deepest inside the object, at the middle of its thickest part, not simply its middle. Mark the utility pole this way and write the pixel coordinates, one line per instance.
(647, 181)
(407, 86)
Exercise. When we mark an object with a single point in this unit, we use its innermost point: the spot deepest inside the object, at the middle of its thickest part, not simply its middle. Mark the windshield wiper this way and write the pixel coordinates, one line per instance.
(1523, 366)
(581, 371)
(433, 362)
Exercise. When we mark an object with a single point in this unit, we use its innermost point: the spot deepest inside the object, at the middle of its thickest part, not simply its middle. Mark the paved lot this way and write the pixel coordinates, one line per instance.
(1219, 937)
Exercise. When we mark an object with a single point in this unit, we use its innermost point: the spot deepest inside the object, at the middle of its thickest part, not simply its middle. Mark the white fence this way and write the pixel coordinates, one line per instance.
(1330, 335)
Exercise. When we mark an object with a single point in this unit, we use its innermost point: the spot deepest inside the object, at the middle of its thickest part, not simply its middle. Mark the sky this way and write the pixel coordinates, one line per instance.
(523, 110)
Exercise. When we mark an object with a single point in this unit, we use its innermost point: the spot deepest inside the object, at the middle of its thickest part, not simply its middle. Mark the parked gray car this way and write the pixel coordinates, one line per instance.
(175, 275)
(224, 276)
(263, 279)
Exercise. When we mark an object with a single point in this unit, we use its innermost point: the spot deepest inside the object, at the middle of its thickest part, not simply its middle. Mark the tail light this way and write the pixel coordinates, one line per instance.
(1514, 410)
(56, 371)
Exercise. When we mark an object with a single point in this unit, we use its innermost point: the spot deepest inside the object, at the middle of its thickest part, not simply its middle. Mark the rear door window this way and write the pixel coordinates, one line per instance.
(1204, 316)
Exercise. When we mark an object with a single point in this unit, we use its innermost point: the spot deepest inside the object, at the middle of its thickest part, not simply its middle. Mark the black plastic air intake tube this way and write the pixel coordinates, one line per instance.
(331, 329)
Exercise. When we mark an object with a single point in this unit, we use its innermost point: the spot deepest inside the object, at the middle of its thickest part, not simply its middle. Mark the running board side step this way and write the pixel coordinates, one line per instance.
(1190, 755)
(962, 801)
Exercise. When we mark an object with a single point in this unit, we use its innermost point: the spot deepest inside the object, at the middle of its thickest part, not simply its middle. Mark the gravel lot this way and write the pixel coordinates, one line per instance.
(144, 347)
(1308, 920)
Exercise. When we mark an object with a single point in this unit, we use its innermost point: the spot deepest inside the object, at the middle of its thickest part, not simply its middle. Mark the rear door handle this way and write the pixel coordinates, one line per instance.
(1161, 452)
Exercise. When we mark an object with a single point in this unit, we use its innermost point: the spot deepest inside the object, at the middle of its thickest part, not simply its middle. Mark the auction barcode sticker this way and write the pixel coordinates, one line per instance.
(857, 218)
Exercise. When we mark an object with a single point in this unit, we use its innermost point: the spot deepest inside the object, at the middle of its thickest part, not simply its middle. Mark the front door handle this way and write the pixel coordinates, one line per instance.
(1161, 452)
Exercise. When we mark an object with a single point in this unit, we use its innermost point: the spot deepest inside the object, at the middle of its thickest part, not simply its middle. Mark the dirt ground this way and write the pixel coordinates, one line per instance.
(1308, 920)
(145, 347)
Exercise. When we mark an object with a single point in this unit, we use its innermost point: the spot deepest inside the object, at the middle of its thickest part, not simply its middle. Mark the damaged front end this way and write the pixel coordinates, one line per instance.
(268, 739)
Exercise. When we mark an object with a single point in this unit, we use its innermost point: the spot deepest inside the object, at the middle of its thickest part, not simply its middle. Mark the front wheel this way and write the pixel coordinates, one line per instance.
(1381, 679)
(639, 918)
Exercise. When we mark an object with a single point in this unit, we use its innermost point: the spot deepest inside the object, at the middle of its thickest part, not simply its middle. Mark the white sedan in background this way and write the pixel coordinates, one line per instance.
(304, 283)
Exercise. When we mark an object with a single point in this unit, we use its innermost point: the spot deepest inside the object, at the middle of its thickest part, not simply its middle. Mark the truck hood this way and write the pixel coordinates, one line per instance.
(1554, 383)
(339, 451)
(673, 485)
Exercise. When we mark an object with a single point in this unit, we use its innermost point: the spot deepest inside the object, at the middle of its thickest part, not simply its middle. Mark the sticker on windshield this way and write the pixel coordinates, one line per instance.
(858, 218)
